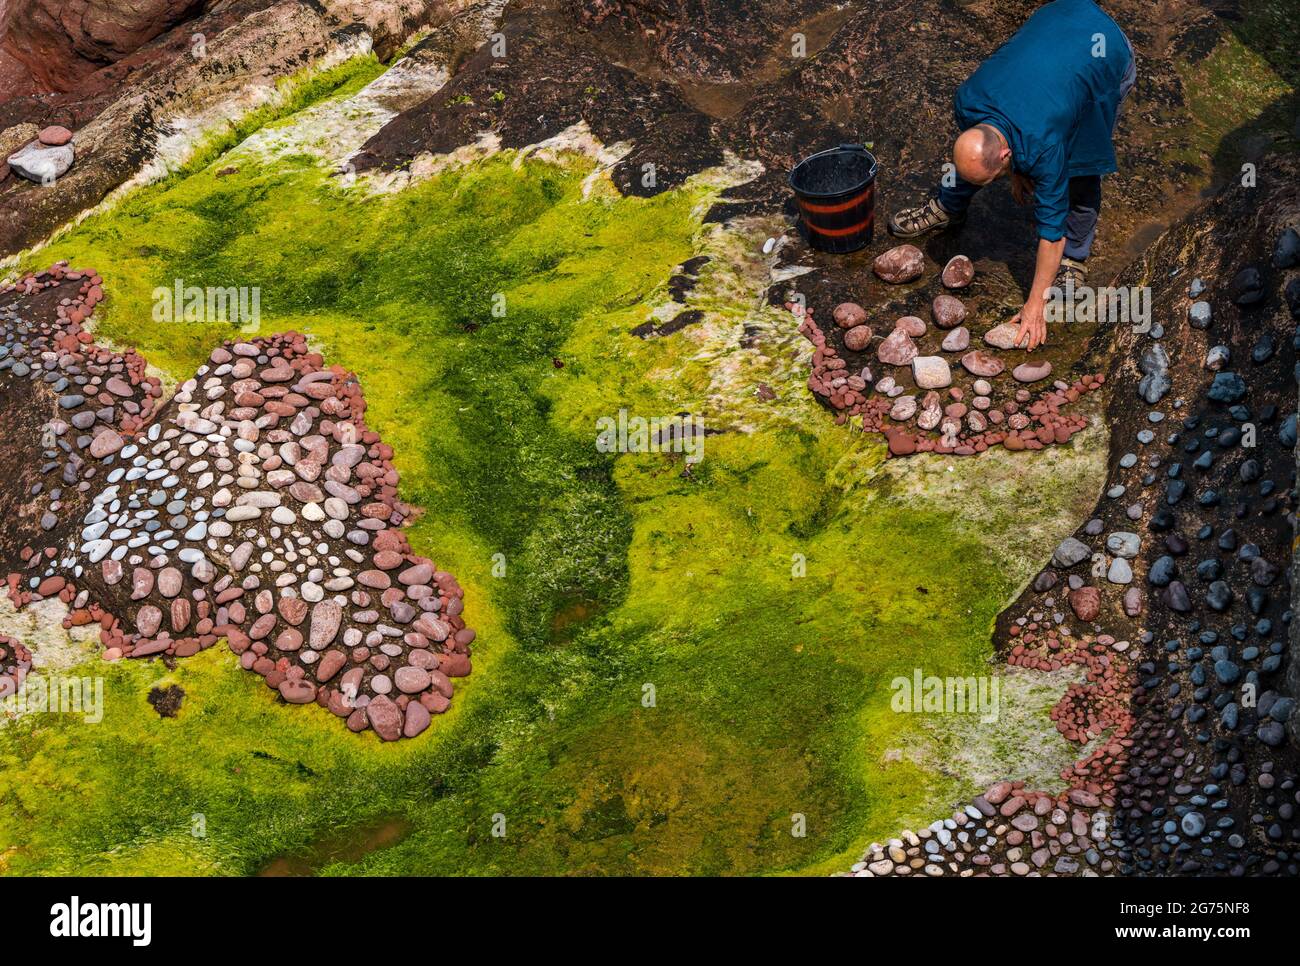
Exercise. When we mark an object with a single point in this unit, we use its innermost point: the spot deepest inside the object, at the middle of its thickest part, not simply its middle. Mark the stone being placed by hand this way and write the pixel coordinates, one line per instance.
(899, 265)
(1003, 336)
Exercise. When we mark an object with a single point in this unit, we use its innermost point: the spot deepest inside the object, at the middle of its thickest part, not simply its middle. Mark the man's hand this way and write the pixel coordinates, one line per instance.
(1033, 327)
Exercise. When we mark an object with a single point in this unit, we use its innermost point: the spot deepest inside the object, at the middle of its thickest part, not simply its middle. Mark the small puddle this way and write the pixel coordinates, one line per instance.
(350, 845)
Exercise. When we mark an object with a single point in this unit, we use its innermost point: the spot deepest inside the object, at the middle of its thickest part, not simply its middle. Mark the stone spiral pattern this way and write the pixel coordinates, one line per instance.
(255, 506)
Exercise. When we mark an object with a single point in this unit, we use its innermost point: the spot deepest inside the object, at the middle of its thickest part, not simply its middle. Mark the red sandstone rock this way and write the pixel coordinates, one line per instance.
(849, 314)
(958, 273)
(899, 265)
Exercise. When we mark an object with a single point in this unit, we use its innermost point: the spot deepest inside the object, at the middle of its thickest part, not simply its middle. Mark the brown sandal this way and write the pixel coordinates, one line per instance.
(931, 216)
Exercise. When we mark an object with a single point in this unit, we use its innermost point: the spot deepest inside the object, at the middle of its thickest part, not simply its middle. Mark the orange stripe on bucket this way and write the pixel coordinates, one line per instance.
(833, 209)
(840, 232)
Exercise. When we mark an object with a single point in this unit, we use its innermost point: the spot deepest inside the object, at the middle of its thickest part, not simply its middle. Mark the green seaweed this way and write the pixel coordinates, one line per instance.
(676, 671)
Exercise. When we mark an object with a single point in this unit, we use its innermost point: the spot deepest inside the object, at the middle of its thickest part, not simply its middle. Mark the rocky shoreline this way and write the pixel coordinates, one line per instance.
(254, 506)
(1186, 564)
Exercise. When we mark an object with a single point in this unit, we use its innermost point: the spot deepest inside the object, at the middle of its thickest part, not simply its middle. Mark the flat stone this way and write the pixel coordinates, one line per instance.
(931, 372)
(1002, 336)
(980, 363)
(1032, 371)
(904, 408)
(1227, 387)
(169, 582)
(1122, 543)
(297, 691)
(42, 163)
(54, 136)
(105, 444)
(325, 619)
(1071, 552)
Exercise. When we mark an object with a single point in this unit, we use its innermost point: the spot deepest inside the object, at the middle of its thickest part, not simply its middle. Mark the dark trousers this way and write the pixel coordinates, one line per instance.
(1080, 223)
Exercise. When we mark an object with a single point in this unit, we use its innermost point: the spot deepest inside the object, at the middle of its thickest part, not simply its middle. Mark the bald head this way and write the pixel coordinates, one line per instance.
(980, 154)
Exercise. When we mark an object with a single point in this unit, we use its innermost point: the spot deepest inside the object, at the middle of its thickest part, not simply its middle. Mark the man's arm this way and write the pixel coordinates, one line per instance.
(1051, 208)
(1033, 324)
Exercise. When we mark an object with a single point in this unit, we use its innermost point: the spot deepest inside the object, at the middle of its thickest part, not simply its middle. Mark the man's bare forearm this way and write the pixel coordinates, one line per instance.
(1048, 261)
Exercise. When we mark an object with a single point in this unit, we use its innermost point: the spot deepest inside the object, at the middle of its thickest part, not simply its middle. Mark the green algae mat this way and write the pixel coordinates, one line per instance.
(680, 668)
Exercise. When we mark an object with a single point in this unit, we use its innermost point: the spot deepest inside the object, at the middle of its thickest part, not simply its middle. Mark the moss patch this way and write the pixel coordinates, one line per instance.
(1239, 92)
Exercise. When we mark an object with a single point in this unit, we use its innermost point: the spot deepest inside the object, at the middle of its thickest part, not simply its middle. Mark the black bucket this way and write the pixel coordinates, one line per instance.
(836, 194)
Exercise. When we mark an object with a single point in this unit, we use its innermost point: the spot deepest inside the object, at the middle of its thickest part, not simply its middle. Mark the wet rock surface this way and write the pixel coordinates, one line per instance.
(129, 77)
(254, 506)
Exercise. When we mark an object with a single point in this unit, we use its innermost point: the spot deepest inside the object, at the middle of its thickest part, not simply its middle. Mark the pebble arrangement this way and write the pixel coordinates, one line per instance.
(949, 423)
(1194, 773)
(15, 662)
(255, 506)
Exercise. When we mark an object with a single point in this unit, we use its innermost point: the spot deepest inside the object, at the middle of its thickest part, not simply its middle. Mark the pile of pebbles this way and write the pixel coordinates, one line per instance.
(255, 506)
(938, 417)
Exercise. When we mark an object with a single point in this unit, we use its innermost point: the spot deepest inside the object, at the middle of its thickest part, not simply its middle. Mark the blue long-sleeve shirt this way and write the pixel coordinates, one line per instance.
(1053, 90)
